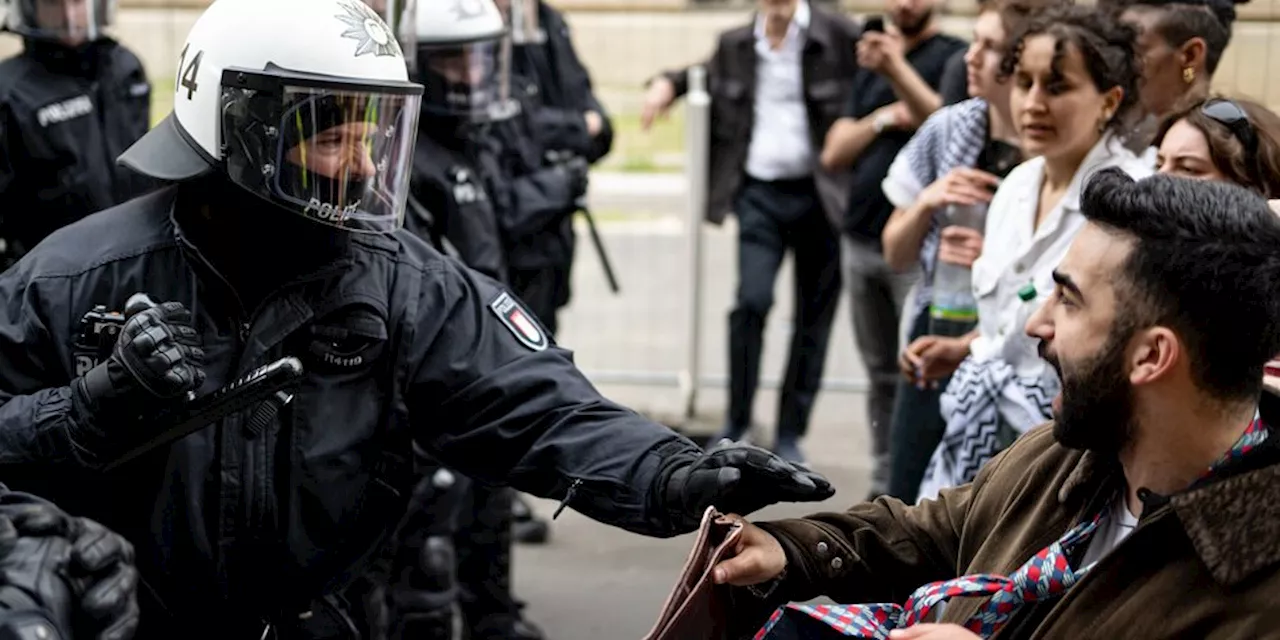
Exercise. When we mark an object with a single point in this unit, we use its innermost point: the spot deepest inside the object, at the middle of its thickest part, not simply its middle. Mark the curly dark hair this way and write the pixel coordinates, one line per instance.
(1107, 46)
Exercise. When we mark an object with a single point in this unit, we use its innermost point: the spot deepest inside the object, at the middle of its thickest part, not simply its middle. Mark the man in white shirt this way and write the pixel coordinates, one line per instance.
(776, 86)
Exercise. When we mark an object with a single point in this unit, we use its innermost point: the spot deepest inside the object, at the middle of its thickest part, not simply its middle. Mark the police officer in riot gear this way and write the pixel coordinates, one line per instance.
(70, 103)
(462, 61)
(570, 129)
(291, 142)
(62, 578)
(460, 64)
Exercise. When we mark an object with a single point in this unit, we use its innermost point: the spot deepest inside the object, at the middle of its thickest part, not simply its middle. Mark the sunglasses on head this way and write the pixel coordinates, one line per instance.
(1232, 116)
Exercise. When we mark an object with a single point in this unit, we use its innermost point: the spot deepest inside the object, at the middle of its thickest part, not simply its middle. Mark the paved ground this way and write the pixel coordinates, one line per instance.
(591, 581)
(641, 336)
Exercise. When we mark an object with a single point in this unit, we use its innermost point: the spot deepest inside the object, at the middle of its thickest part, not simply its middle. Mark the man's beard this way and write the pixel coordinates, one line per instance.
(915, 27)
(1097, 401)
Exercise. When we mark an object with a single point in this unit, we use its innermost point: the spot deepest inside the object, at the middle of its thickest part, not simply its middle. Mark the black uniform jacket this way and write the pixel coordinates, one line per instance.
(399, 343)
(64, 119)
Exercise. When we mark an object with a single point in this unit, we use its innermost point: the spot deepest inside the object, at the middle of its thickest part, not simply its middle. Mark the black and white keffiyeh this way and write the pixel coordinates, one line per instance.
(953, 136)
(984, 404)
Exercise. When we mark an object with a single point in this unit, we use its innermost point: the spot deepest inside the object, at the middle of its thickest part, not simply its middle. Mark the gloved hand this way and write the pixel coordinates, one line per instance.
(576, 170)
(76, 572)
(156, 356)
(734, 478)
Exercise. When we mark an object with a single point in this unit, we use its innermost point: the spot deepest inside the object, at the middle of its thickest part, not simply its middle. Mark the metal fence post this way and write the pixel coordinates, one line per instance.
(697, 127)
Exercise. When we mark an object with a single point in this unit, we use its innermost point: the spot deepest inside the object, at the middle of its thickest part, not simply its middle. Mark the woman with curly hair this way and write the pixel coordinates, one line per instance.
(955, 161)
(1075, 77)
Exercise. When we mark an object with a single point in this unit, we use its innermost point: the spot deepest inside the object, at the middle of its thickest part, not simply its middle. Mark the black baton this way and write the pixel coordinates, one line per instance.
(254, 387)
(581, 203)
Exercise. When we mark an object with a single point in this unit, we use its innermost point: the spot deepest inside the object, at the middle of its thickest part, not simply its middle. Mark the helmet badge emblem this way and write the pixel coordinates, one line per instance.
(368, 29)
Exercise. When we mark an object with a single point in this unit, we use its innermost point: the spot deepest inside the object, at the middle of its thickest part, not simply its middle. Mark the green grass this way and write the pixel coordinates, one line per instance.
(660, 149)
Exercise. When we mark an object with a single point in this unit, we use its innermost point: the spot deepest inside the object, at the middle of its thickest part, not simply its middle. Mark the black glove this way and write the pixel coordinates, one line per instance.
(75, 572)
(734, 478)
(575, 170)
(156, 356)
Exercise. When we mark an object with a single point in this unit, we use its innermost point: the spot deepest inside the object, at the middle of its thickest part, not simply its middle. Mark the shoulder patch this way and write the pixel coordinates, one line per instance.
(519, 322)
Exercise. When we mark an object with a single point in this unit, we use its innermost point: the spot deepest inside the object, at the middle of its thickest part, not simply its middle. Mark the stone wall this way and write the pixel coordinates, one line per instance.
(623, 42)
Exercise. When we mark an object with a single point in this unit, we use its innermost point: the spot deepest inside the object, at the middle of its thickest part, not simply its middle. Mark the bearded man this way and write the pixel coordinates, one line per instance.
(1150, 506)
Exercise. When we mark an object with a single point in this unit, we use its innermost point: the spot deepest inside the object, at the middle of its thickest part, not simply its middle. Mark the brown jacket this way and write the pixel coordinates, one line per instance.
(829, 60)
(1204, 563)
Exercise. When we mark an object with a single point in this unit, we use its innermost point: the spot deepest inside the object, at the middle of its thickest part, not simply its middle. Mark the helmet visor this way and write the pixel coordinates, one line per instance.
(71, 22)
(339, 157)
(464, 80)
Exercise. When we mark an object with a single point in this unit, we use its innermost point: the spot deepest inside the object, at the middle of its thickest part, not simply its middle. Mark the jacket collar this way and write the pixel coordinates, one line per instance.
(815, 26)
(1232, 521)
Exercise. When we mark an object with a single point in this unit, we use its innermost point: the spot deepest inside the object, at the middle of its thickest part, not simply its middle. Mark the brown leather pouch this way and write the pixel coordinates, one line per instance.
(697, 607)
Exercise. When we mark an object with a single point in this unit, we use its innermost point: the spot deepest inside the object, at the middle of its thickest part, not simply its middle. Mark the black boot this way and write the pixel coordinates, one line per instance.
(527, 527)
(484, 569)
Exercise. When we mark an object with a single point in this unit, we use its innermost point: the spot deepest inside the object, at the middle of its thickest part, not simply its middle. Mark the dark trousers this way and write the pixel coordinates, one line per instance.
(917, 428)
(876, 296)
(483, 543)
(772, 218)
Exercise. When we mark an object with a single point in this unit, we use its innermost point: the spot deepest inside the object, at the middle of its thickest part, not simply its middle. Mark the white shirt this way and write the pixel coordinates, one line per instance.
(1015, 254)
(1113, 529)
(780, 148)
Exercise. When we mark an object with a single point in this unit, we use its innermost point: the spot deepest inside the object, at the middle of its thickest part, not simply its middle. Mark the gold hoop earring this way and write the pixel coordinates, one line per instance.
(1188, 75)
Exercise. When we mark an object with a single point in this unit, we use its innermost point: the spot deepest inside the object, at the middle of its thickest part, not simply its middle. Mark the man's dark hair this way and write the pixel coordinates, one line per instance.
(1205, 263)
(1107, 46)
(1178, 21)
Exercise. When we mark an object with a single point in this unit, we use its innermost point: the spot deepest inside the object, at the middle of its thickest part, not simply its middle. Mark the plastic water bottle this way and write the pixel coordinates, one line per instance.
(953, 311)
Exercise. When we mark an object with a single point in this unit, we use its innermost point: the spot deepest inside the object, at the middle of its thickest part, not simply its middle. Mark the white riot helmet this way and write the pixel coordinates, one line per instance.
(71, 22)
(463, 59)
(306, 103)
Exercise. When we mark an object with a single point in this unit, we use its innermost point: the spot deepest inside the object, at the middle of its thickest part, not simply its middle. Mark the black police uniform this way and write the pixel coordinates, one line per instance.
(554, 76)
(449, 183)
(65, 115)
(537, 224)
(555, 90)
(459, 568)
(236, 526)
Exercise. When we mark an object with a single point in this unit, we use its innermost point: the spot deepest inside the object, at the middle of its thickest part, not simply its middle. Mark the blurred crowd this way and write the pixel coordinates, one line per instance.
(939, 182)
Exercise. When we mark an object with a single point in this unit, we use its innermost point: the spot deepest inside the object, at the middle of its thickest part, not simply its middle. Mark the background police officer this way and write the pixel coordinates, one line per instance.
(570, 129)
(70, 103)
(291, 142)
(452, 563)
(458, 62)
